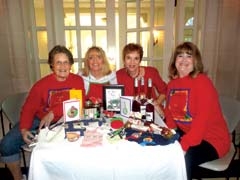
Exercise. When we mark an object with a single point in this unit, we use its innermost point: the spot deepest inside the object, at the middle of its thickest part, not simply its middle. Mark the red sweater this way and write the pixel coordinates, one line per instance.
(47, 95)
(150, 72)
(193, 107)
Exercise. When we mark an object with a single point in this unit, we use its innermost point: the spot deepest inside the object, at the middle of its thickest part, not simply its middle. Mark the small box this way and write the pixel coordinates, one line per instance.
(126, 105)
(77, 94)
(90, 112)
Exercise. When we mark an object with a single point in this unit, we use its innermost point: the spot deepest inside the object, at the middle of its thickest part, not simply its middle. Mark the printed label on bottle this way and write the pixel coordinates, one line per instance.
(149, 116)
(143, 110)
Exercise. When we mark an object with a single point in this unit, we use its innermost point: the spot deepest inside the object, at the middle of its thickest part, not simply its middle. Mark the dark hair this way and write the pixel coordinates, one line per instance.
(59, 49)
(131, 47)
(106, 67)
(189, 48)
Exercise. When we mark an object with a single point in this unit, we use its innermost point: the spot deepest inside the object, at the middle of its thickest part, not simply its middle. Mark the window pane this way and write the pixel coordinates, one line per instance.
(144, 41)
(188, 34)
(144, 63)
(39, 12)
(159, 13)
(158, 43)
(71, 42)
(69, 13)
(84, 13)
(101, 19)
(189, 13)
(112, 55)
(75, 68)
(131, 15)
(42, 44)
(45, 69)
(158, 65)
(145, 16)
(101, 38)
(131, 37)
(86, 41)
(100, 13)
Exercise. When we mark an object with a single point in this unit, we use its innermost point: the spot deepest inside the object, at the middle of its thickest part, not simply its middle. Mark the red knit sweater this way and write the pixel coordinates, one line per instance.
(47, 95)
(193, 106)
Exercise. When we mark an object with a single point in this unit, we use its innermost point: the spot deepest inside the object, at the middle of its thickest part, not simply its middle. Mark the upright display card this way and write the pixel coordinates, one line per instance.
(71, 110)
(126, 105)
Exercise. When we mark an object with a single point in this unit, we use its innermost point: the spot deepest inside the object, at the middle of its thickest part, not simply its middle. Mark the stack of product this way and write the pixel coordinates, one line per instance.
(142, 105)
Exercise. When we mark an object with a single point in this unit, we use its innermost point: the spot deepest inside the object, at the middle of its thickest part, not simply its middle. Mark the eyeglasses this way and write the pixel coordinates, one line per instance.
(59, 63)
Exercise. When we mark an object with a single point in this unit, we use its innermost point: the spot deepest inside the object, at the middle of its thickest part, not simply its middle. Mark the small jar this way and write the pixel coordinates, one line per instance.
(98, 108)
(92, 110)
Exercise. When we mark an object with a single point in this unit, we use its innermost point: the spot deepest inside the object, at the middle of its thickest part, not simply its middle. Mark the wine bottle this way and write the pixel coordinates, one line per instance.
(149, 104)
(135, 103)
(142, 99)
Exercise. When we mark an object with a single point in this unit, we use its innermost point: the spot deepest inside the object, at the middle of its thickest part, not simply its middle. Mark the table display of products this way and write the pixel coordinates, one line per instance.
(117, 127)
(108, 149)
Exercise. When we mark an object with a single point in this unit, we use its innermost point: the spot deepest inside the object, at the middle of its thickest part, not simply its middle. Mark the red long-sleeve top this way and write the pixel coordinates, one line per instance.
(193, 106)
(47, 95)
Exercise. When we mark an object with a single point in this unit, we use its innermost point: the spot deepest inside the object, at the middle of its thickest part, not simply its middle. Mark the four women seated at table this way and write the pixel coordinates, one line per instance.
(192, 110)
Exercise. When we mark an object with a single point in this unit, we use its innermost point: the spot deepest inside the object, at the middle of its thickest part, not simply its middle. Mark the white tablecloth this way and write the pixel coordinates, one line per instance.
(124, 160)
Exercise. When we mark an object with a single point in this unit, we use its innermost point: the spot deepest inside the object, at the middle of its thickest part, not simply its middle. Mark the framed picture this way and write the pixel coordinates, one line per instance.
(111, 97)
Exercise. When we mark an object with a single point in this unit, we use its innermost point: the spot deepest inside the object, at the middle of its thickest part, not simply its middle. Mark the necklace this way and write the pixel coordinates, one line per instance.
(135, 75)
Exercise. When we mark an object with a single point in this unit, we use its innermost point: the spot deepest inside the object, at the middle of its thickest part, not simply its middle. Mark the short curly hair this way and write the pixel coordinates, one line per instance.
(59, 49)
(132, 47)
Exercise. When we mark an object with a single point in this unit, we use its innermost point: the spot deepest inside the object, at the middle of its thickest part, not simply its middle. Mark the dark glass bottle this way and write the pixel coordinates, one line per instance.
(149, 104)
(136, 103)
(143, 99)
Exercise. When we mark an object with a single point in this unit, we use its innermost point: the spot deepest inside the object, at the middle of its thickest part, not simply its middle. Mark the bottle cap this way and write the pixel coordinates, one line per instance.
(136, 82)
(142, 80)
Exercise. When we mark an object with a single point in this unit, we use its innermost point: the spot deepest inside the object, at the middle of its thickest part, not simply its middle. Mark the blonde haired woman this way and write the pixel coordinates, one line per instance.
(96, 72)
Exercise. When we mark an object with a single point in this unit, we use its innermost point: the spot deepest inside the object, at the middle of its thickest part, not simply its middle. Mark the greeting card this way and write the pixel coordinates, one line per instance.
(71, 110)
(126, 105)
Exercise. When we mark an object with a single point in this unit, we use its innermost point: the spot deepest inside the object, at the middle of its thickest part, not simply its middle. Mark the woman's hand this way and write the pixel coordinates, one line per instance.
(159, 109)
(159, 105)
(46, 120)
(27, 136)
